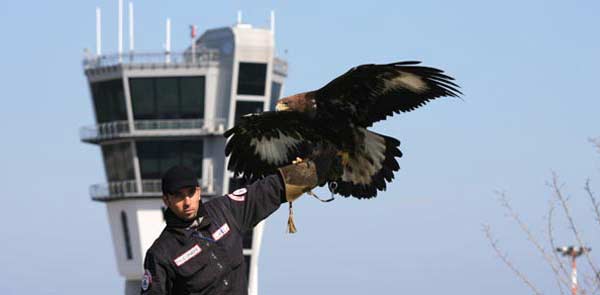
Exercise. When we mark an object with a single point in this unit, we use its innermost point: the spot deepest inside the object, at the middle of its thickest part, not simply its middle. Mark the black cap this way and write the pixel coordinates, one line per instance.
(178, 177)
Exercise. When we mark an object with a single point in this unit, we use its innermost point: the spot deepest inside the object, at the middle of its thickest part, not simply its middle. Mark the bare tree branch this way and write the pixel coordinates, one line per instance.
(563, 201)
(595, 203)
(488, 233)
(515, 216)
(589, 283)
(565, 273)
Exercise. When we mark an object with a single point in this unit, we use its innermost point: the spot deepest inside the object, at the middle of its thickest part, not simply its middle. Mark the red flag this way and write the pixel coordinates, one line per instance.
(193, 31)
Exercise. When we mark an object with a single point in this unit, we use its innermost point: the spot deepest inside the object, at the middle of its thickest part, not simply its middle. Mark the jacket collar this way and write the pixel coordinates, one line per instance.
(185, 228)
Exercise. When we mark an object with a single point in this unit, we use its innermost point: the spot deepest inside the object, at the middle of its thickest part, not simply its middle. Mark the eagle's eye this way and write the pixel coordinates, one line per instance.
(282, 106)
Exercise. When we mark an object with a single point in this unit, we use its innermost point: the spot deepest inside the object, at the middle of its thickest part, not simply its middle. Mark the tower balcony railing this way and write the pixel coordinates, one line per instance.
(202, 57)
(280, 66)
(150, 188)
(151, 128)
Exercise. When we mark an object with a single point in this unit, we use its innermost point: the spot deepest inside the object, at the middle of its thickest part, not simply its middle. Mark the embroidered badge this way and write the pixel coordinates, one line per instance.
(189, 254)
(146, 280)
(238, 195)
(223, 230)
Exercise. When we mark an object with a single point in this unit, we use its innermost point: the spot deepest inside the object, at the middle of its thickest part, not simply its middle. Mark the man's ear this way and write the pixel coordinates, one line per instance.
(165, 199)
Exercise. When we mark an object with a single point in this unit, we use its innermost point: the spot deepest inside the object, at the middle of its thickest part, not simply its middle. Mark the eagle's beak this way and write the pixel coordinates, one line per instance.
(281, 107)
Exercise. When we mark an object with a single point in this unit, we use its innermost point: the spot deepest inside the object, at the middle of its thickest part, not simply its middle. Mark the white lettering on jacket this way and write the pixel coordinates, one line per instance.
(189, 254)
(223, 230)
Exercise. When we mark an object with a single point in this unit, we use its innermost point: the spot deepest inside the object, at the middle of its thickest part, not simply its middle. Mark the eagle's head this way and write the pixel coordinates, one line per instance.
(301, 102)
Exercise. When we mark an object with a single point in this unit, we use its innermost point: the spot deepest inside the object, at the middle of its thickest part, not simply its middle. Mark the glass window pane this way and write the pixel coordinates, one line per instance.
(108, 155)
(156, 157)
(109, 101)
(170, 155)
(149, 157)
(191, 155)
(192, 97)
(96, 94)
(125, 161)
(251, 78)
(275, 94)
(117, 95)
(247, 107)
(142, 98)
(126, 238)
(167, 98)
(118, 161)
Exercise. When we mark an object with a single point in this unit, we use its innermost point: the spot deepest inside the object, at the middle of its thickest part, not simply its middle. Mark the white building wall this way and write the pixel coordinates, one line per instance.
(145, 222)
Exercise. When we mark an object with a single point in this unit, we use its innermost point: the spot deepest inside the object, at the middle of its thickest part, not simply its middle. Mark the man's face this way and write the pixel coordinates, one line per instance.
(184, 203)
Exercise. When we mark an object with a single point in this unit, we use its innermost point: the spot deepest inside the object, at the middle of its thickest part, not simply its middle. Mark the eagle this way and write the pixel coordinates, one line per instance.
(338, 116)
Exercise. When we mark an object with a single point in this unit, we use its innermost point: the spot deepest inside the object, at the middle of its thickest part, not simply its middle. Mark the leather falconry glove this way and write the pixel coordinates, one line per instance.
(303, 175)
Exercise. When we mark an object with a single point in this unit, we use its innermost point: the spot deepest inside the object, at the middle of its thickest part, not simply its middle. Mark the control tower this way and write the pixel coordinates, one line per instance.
(155, 110)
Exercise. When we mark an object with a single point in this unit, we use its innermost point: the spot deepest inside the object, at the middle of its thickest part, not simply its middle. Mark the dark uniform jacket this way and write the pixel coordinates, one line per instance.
(205, 257)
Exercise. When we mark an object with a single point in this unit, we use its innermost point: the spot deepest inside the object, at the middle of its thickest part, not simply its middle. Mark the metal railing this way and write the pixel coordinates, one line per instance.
(104, 130)
(129, 189)
(168, 124)
(121, 129)
(280, 66)
(202, 57)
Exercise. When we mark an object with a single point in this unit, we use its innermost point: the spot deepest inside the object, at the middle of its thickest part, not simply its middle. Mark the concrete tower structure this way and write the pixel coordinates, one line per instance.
(155, 110)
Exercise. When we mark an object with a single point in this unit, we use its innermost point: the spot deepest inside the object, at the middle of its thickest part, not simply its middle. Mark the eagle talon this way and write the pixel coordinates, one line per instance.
(297, 160)
(344, 156)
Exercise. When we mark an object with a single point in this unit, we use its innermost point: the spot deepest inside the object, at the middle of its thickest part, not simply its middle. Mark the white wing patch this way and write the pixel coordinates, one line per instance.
(368, 161)
(406, 80)
(275, 149)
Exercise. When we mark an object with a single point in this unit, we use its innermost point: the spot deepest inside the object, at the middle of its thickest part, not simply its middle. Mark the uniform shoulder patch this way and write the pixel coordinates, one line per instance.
(238, 195)
(240, 191)
(146, 280)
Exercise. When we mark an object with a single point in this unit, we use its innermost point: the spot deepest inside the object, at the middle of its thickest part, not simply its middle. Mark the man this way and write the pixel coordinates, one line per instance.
(200, 250)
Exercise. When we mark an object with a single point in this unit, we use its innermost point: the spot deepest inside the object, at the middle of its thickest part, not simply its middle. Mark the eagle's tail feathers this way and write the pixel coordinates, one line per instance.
(369, 170)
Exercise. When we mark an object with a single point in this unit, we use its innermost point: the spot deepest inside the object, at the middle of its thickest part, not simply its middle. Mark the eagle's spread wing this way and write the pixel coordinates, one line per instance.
(369, 93)
(259, 143)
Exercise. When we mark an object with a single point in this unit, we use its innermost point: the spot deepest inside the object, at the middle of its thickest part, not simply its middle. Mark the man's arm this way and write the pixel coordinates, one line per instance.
(255, 202)
(155, 280)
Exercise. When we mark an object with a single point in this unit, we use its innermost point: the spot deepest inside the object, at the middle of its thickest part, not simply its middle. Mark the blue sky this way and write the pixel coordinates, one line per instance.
(527, 69)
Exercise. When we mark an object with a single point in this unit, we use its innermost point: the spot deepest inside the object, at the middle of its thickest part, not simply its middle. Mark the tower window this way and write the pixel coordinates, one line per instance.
(275, 94)
(251, 78)
(109, 101)
(156, 157)
(168, 97)
(247, 107)
(118, 161)
(126, 238)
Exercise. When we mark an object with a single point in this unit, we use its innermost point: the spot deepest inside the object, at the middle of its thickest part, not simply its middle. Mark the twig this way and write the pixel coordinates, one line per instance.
(561, 265)
(595, 203)
(589, 283)
(504, 258)
(515, 216)
(558, 194)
